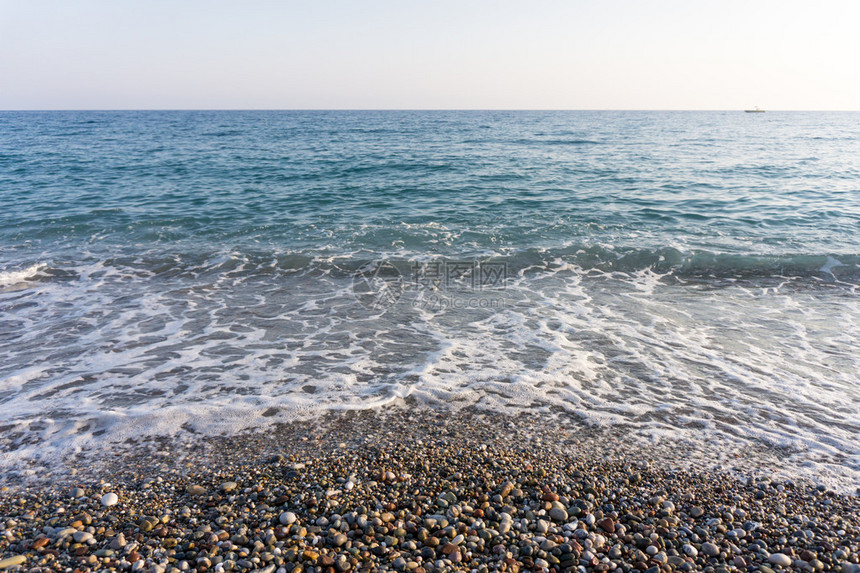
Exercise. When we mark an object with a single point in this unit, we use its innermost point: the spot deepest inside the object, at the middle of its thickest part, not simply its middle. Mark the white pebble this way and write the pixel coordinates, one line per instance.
(287, 518)
(109, 499)
(780, 559)
(12, 561)
(82, 536)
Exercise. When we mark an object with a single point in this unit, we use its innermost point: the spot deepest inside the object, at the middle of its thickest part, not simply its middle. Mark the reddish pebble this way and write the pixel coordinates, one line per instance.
(607, 525)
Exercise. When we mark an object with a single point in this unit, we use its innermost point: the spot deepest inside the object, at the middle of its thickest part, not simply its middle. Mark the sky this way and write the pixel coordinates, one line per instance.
(443, 54)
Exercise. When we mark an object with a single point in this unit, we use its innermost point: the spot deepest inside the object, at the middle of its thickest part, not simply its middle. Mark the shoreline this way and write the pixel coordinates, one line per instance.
(424, 490)
(203, 437)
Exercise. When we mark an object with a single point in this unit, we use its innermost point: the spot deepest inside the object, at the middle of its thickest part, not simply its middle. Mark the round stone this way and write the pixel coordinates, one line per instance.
(710, 549)
(780, 559)
(608, 525)
(109, 499)
(82, 536)
(697, 511)
(558, 514)
(287, 518)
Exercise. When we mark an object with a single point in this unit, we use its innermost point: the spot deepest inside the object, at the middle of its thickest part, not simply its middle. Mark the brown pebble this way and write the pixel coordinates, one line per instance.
(449, 548)
(607, 525)
(196, 490)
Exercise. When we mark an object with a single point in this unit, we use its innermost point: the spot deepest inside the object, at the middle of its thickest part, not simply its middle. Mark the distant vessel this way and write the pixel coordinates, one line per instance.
(754, 110)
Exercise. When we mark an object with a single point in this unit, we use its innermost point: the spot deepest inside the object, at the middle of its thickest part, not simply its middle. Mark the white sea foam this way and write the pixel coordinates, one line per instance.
(830, 265)
(128, 354)
(16, 277)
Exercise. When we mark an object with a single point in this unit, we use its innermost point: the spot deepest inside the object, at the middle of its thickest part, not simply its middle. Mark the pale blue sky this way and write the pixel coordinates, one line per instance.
(464, 54)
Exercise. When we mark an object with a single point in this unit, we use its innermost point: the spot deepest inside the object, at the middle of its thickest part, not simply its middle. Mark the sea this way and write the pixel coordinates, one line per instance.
(679, 277)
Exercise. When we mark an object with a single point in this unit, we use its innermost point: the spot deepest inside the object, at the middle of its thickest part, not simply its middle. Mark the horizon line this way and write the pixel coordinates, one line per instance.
(121, 109)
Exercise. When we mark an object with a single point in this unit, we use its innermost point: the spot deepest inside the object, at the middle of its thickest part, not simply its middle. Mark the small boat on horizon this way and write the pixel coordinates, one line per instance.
(756, 109)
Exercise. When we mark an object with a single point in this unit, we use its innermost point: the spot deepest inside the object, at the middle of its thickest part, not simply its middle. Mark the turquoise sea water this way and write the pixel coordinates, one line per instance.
(687, 275)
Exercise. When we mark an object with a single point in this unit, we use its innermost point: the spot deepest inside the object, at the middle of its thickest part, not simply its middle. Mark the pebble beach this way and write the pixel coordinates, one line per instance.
(417, 490)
